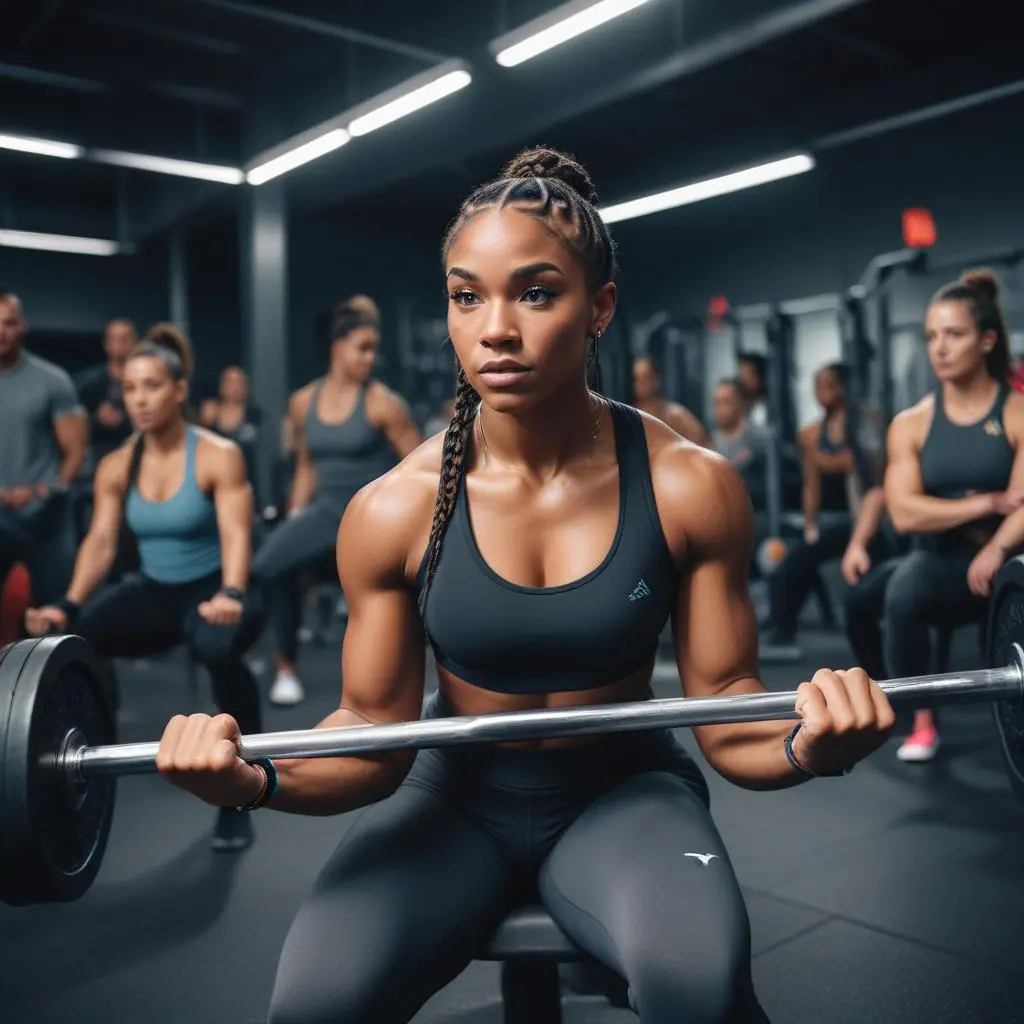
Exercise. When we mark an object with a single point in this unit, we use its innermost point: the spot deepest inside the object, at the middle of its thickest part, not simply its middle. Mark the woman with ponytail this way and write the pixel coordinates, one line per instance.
(183, 494)
(348, 429)
(540, 547)
(955, 482)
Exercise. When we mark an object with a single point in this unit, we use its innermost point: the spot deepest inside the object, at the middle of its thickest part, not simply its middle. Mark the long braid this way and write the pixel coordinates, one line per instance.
(453, 466)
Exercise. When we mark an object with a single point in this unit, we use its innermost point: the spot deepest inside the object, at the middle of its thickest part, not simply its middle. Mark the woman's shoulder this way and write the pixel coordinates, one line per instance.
(914, 417)
(218, 453)
(691, 484)
(391, 516)
(298, 403)
(113, 469)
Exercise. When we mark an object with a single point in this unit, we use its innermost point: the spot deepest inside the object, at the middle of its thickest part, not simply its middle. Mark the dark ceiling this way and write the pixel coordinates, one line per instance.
(675, 89)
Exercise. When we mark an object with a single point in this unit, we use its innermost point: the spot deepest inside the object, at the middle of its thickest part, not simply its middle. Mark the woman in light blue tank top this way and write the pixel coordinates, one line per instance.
(349, 430)
(183, 493)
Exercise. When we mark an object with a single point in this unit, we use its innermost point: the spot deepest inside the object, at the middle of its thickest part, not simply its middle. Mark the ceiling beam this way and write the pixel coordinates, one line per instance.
(859, 45)
(125, 75)
(54, 79)
(192, 40)
(325, 28)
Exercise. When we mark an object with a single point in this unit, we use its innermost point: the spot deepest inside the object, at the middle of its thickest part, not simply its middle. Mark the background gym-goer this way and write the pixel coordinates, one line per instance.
(752, 370)
(956, 469)
(648, 397)
(233, 416)
(347, 430)
(43, 440)
(183, 493)
(828, 460)
(99, 388)
(557, 481)
(739, 441)
(870, 559)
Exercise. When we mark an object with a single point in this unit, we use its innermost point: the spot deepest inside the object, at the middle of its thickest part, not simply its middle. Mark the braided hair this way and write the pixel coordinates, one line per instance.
(981, 290)
(556, 190)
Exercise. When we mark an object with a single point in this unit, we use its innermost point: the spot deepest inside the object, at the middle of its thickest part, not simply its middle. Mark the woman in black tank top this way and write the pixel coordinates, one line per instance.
(955, 482)
(828, 462)
(539, 547)
(232, 416)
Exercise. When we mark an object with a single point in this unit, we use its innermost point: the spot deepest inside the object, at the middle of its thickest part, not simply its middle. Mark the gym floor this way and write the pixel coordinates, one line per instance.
(892, 896)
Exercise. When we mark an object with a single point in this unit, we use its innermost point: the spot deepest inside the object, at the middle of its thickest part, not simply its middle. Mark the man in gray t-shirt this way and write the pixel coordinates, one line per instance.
(43, 437)
(742, 444)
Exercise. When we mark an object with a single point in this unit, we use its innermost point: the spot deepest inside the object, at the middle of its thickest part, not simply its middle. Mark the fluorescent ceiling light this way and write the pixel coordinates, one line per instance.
(42, 147)
(298, 156)
(701, 190)
(410, 97)
(59, 243)
(557, 27)
(166, 165)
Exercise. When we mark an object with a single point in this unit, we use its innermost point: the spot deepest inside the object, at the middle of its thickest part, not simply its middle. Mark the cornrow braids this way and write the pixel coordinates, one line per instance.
(557, 191)
(453, 468)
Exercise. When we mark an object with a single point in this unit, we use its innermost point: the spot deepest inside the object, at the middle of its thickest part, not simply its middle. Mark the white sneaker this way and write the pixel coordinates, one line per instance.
(287, 690)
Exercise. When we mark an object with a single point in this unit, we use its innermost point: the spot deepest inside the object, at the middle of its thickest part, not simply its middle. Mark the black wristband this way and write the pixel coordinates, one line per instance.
(69, 608)
(233, 592)
(803, 769)
(270, 783)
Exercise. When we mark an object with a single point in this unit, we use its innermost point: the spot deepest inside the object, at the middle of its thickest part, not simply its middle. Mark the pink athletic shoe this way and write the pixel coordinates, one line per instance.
(921, 745)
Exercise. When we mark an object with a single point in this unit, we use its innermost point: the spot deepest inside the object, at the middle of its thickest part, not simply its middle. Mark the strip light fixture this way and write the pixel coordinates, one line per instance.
(698, 191)
(59, 243)
(287, 161)
(556, 27)
(41, 147)
(409, 96)
(168, 165)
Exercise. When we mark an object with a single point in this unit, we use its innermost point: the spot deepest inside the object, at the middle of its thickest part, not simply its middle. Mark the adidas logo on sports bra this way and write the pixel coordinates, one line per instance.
(640, 590)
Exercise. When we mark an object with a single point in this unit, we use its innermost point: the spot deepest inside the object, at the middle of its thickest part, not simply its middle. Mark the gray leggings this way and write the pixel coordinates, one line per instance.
(298, 545)
(607, 834)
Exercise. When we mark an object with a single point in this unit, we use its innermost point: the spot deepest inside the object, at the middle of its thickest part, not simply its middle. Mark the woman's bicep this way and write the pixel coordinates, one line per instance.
(383, 653)
(108, 502)
(232, 494)
(903, 466)
(715, 625)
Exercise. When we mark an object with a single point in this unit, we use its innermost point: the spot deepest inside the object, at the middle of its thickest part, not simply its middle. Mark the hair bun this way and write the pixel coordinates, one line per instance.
(549, 163)
(359, 310)
(362, 304)
(983, 280)
(173, 338)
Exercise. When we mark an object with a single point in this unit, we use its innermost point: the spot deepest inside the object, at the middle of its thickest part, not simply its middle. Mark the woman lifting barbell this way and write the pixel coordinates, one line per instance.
(348, 430)
(956, 468)
(541, 548)
(183, 493)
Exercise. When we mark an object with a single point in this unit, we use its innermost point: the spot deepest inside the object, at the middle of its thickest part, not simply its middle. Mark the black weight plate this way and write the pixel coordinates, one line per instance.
(52, 833)
(1005, 628)
(14, 659)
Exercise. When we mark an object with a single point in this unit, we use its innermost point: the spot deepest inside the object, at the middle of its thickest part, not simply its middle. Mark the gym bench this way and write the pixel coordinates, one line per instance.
(530, 947)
